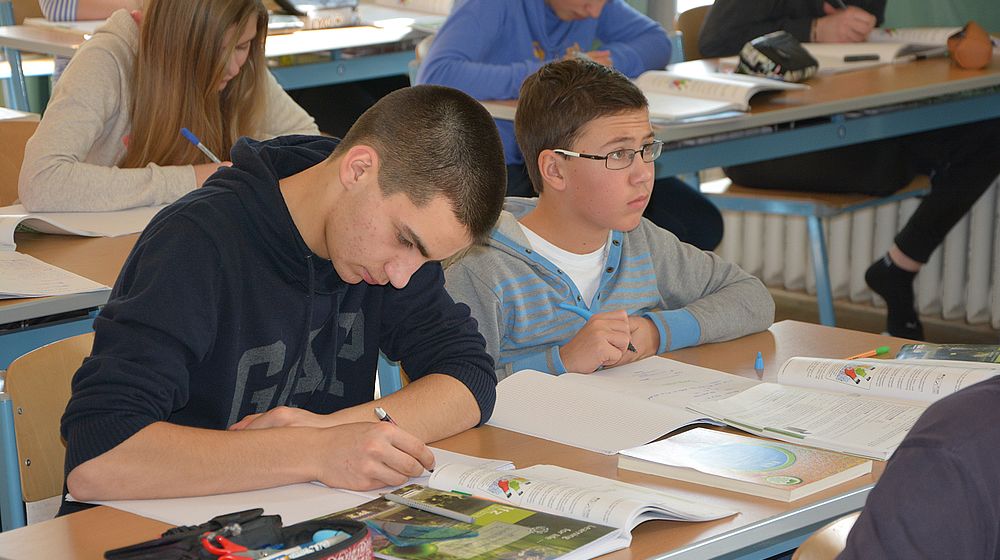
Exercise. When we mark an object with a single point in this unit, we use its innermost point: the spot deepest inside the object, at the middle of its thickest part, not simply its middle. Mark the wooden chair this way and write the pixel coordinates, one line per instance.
(32, 453)
(827, 542)
(689, 24)
(814, 207)
(13, 136)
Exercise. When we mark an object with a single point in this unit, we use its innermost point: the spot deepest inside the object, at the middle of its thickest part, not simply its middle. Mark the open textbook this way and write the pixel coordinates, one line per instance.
(842, 57)
(539, 512)
(929, 36)
(23, 276)
(862, 407)
(612, 409)
(85, 224)
(676, 96)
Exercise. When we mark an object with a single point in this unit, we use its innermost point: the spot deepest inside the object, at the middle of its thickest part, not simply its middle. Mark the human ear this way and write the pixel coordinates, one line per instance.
(550, 167)
(359, 166)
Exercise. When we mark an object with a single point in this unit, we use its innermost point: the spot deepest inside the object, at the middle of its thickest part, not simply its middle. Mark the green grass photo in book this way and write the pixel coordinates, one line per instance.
(497, 530)
(989, 353)
(760, 467)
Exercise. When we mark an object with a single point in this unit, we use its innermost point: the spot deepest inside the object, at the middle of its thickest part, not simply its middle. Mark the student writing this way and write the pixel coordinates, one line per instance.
(238, 348)
(583, 242)
(109, 138)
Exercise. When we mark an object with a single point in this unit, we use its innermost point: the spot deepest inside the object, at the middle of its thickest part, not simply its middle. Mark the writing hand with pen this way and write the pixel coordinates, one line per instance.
(605, 339)
(352, 455)
(843, 24)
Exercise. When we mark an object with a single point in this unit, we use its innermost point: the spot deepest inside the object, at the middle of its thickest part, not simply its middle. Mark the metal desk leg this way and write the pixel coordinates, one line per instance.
(817, 249)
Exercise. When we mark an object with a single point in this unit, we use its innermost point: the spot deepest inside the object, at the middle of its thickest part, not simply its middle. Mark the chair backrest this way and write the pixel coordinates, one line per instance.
(38, 384)
(26, 8)
(689, 24)
(829, 541)
(13, 136)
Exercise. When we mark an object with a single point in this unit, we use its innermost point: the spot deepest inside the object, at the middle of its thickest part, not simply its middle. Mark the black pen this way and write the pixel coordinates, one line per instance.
(860, 57)
(839, 4)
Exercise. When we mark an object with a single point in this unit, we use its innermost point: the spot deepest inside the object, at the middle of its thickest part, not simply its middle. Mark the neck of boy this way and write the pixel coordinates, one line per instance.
(311, 195)
(560, 226)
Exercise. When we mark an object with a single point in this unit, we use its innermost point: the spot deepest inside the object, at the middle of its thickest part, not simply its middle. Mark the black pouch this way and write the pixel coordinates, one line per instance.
(777, 55)
(253, 530)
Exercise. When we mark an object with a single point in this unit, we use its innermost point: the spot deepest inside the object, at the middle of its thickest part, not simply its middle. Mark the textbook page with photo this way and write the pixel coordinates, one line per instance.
(612, 409)
(861, 407)
(675, 96)
(416, 523)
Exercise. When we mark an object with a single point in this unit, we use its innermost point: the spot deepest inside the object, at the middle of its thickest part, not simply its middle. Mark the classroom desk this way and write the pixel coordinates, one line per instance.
(751, 534)
(838, 110)
(355, 53)
(97, 258)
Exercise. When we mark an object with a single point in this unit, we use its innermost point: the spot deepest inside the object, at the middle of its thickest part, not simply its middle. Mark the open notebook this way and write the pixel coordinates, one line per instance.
(843, 57)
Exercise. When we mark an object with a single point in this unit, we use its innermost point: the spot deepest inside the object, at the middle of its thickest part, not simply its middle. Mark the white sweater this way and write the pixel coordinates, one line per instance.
(70, 162)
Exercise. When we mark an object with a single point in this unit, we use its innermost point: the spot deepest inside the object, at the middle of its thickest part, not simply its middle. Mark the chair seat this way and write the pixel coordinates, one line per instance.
(731, 196)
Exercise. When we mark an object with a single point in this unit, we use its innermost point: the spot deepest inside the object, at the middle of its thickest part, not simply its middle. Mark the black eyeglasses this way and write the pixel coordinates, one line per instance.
(621, 159)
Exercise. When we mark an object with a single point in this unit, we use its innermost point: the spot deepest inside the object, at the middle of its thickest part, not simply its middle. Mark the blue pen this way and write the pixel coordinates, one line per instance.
(586, 314)
(758, 364)
(197, 144)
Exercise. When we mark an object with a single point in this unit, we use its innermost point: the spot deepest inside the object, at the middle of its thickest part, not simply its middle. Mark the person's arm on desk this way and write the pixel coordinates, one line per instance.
(730, 24)
(635, 42)
(458, 57)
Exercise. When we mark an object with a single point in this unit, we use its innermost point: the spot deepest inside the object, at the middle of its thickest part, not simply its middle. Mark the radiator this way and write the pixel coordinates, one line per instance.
(960, 282)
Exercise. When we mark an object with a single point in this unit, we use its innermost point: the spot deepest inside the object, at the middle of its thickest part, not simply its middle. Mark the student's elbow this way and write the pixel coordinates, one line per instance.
(87, 482)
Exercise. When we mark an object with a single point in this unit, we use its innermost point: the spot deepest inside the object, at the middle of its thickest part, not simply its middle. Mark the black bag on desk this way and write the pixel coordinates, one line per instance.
(252, 530)
(777, 55)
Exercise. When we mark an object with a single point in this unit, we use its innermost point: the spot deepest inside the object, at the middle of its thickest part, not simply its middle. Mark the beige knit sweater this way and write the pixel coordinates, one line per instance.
(70, 162)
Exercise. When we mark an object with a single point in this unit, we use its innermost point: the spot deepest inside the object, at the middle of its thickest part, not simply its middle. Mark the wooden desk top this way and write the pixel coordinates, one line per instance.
(97, 258)
(829, 94)
(88, 534)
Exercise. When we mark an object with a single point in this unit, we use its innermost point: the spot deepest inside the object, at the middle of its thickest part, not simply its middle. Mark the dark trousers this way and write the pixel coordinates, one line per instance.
(963, 161)
(673, 205)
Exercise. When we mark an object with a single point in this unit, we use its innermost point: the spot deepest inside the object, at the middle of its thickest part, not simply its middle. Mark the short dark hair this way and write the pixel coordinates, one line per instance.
(558, 100)
(435, 140)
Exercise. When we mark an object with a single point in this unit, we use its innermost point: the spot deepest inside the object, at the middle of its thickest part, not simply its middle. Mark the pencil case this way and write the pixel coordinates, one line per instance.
(250, 534)
(777, 55)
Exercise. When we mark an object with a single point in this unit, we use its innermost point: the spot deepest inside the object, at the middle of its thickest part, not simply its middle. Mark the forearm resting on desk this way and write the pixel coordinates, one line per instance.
(166, 460)
(431, 408)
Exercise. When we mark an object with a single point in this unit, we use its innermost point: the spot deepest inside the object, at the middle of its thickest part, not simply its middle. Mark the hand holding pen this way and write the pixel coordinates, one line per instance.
(843, 23)
(205, 170)
(605, 340)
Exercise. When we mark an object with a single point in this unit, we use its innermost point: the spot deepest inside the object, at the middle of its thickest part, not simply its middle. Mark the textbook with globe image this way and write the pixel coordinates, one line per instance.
(761, 467)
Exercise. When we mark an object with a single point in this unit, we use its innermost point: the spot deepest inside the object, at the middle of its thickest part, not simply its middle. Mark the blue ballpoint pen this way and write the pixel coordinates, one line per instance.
(197, 144)
(587, 314)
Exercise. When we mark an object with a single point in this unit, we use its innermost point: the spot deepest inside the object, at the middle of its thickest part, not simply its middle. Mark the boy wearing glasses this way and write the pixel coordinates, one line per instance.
(576, 279)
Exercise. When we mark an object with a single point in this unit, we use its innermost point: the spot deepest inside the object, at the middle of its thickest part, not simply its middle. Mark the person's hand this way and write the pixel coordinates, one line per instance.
(645, 339)
(601, 342)
(203, 171)
(601, 57)
(850, 25)
(284, 417)
(367, 455)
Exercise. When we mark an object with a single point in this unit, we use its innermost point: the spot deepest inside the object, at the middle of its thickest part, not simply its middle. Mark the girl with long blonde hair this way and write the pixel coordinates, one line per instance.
(110, 137)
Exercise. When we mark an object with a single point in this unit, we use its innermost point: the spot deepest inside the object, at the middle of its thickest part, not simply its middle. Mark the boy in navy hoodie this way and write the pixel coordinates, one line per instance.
(239, 345)
(487, 48)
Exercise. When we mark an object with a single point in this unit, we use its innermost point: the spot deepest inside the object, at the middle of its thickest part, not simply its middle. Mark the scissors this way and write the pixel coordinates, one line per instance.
(226, 549)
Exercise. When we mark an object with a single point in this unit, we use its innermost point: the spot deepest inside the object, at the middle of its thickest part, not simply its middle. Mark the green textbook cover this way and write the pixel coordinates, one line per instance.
(497, 530)
(989, 353)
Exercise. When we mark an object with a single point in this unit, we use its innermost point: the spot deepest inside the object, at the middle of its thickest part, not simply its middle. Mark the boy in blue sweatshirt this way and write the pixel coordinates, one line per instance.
(576, 279)
(239, 346)
(486, 48)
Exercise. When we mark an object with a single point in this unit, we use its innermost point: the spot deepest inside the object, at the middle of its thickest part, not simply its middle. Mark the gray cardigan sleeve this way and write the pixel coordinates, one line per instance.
(467, 287)
(725, 300)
